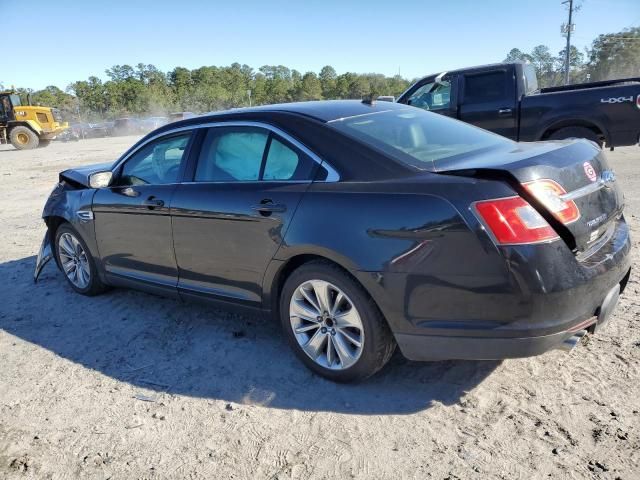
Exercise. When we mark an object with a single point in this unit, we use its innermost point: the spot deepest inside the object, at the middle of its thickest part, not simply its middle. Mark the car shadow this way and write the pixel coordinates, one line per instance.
(189, 349)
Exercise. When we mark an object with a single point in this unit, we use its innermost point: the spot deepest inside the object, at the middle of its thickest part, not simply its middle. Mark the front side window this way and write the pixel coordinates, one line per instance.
(157, 163)
(432, 96)
(485, 87)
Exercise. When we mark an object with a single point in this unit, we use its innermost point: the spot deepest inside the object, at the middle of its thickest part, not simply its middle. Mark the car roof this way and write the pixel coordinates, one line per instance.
(307, 123)
(323, 110)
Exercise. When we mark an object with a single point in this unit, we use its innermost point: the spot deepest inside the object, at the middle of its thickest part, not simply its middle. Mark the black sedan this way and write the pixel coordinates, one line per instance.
(361, 226)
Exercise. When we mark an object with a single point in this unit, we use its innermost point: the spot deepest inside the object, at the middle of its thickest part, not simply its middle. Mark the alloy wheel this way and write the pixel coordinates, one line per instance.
(74, 260)
(326, 324)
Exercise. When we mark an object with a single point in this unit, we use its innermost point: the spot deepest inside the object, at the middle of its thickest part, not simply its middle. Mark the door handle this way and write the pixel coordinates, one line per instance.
(153, 202)
(267, 207)
(505, 112)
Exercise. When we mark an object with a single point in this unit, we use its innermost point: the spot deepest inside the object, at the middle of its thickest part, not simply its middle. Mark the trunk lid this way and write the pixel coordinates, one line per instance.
(579, 167)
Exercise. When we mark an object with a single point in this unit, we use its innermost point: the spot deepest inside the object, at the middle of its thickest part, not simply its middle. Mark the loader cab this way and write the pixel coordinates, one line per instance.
(7, 102)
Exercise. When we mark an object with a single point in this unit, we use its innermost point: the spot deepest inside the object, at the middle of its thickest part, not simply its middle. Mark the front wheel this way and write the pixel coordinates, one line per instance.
(76, 262)
(333, 325)
(23, 138)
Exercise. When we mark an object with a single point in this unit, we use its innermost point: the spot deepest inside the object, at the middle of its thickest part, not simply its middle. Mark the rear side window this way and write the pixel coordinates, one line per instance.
(231, 156)
(245, 154)
(485, 87)
(284, 163)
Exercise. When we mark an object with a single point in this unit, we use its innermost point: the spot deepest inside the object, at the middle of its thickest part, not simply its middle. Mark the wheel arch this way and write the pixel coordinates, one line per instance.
(53, 222)
(30, 124)
(279, 271)
(593, 125)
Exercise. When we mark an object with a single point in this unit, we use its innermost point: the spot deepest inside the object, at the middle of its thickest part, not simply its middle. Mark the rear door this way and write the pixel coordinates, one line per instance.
(435, 94)
(230, 220)
(488, 100)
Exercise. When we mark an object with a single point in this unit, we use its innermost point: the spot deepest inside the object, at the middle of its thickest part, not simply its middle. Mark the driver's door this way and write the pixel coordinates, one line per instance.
(435, 95)
(132, 222)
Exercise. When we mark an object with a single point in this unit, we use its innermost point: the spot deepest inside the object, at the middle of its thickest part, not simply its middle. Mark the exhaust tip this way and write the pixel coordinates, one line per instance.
(570, 343)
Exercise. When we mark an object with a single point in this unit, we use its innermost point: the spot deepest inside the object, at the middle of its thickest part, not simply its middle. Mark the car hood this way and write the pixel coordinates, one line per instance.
(80, 175)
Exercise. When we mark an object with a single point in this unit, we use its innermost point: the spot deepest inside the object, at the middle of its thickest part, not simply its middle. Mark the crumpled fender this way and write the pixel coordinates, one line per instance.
(44, 255)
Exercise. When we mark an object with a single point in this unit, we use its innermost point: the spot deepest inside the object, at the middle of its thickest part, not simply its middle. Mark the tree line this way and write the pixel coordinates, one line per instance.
(145, 90)
(613, 55)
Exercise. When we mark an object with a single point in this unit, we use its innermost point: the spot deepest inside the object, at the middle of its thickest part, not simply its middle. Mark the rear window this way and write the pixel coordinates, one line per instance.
(530, 79)
(416, 137)
(485, 87)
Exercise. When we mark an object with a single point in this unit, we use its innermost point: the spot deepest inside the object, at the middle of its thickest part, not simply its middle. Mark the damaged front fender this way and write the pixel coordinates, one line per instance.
(44, 255)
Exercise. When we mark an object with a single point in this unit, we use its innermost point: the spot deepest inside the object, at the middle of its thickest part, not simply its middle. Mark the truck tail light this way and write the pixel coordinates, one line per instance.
(512, 220)
(549, 194)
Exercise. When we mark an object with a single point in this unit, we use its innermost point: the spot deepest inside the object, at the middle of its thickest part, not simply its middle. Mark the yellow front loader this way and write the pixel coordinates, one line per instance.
(26, 126)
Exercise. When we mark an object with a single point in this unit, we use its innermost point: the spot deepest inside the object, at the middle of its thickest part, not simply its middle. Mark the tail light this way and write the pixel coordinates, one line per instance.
(549, 194)
(512, 221)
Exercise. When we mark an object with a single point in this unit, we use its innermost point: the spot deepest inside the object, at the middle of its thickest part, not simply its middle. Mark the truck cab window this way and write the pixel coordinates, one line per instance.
(485, 87)
(432, 96)
(530, 79)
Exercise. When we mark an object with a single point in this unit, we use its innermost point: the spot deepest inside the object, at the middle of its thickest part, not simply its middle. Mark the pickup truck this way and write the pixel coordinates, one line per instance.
(504, 98)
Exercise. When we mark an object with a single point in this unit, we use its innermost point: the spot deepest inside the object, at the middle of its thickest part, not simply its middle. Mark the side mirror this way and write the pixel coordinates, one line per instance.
(100, 179)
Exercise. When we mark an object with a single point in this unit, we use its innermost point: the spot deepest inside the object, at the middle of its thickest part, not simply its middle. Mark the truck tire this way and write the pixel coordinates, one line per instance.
(576, 132)
(23, 138)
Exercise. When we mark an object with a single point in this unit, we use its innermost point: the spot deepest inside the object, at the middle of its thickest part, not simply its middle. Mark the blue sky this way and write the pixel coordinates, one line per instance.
(70, 40)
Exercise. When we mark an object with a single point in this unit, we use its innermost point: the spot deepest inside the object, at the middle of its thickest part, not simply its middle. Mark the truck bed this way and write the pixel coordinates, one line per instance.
(581, 86)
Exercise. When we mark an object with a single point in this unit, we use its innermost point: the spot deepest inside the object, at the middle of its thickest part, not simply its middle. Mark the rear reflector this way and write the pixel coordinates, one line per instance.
(512, 221)
(549, 194)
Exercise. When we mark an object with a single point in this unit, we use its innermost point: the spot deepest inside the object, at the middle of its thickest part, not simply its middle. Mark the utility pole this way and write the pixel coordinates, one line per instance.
(568, 29)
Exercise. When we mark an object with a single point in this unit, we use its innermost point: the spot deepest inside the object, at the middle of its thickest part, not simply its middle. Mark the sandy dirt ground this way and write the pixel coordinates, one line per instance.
(127, 385)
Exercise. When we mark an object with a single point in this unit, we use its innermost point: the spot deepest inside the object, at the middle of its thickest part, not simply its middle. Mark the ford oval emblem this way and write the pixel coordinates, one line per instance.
(589, 171)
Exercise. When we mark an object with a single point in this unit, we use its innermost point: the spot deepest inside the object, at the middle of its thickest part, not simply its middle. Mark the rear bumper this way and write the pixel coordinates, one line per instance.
(427, 347)
(550, 296)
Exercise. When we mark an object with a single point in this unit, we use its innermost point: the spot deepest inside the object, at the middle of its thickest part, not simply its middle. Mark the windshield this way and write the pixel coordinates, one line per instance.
(15, 100)
(416, 137)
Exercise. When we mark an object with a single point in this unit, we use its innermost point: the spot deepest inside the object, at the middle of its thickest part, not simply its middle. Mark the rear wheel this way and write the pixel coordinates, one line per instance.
(333, 325)
(576, 132)
(23, 138)
(76, 262)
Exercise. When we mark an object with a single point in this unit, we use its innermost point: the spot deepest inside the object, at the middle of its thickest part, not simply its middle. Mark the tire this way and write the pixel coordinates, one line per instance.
(44, 143)
(576, 132)
(65, 244)
(23, 138)
(333, 334)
